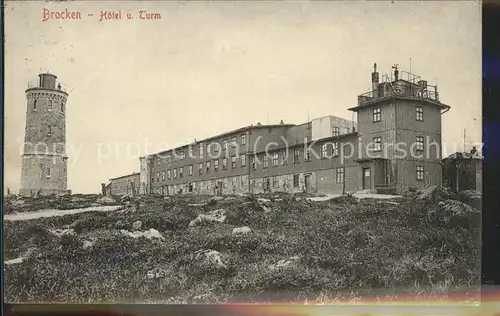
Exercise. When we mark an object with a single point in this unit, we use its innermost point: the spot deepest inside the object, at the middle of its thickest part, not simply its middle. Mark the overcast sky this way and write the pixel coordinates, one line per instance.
(206, 68)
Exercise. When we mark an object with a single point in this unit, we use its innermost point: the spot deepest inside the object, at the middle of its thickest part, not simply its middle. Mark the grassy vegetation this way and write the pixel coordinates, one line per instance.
(407, 246)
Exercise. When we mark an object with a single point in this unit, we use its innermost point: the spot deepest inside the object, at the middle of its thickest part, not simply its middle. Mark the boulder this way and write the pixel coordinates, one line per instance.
(217, 216)
(241, 230)
(210, 257)
(436, 194)
(457, 208)
(284, 263)
(149, 234)
(87, 244)
(63, 232)
(105, 200)
(137, 225)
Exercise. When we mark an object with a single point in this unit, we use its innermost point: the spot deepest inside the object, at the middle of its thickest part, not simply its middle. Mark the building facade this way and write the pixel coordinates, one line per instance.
(44, 160)
(124, 185)
(394, 145)
(463, 171)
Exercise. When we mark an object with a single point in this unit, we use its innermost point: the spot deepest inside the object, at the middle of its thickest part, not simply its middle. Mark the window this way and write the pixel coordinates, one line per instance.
(49, 131)
(209, 146)
(376, 115)
(275, 182)
(276, 159)
(47, 173)
(181, 155)
(244, 180)
(243, 159)
(224, 144)
(296, 154)
(233, 162)
(158, 176)
(169, 176)
(34, 105)
(420, 143)
(284, 157)
(324, 151)
(233, 141)
(339, 176)
(216, 148)
(50, 105)
(163, 175)
(201, 150)
(307, 155)
(181, 172)
(190, 170)
(336, 131)
(190, 152)
(153, 179)
(208, 166)
(62, 107)
(419, 113)
(224, 163)
(175, 173)
(347, 130)
(243, 139)
(420, 172)
(377, 144)
(254, 165)
(335, 149)
(295, 180)
(200, 168)
(216, 164)
(264, 161)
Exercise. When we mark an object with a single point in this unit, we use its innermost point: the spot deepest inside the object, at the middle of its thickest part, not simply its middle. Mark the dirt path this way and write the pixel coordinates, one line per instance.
(51, 212)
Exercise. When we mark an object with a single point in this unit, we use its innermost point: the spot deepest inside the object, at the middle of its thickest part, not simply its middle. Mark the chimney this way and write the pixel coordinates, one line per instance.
(375, 81)
(258, 124)
(396, 72)
(281, 122)
(473, 151)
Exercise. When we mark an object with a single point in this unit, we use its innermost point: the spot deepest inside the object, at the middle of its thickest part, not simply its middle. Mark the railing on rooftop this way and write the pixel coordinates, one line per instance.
(36, 84)
(402, 88)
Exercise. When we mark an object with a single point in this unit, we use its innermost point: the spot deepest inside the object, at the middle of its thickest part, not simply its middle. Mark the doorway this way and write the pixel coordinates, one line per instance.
(366, 178)
(307, 181)
(218, 188)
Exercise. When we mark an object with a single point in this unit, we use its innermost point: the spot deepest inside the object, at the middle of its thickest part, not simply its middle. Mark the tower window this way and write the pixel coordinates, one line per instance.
(339, 176)
(377, 144)
(49, 131)
(62, 107)
(34, 105)
(377, 115)
(336, 131)
(47, 173)
(420, 143)
(419, 111)
(324, 151)
(420, 172)
(50, 105)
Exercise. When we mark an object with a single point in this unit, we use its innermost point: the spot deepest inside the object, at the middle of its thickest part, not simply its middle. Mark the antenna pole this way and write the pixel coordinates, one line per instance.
(412, 79)
(464, 139)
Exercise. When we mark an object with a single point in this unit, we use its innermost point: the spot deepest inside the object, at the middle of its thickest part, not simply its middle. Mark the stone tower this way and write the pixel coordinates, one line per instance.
(44, 160)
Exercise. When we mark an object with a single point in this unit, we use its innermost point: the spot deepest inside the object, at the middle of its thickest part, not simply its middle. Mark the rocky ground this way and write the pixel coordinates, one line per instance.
(214, 250)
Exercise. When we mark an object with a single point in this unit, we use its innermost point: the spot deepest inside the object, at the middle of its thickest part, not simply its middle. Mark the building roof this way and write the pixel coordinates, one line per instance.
(376, 101)
(125, 176)
(464, 155)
